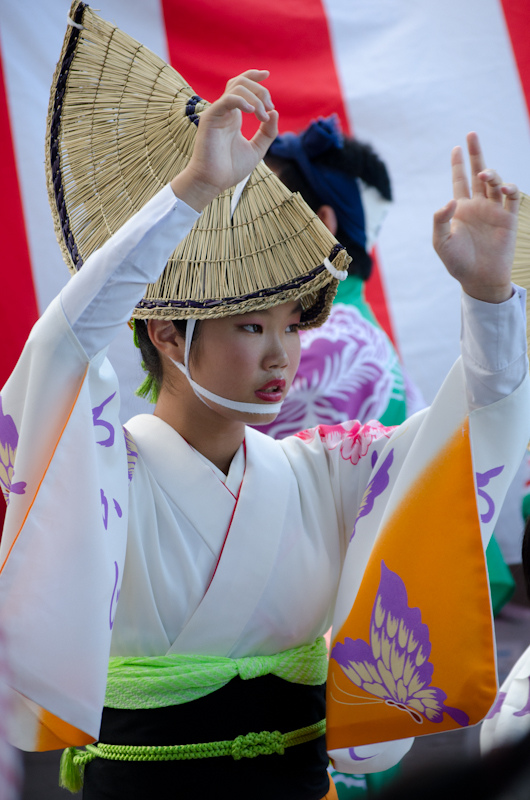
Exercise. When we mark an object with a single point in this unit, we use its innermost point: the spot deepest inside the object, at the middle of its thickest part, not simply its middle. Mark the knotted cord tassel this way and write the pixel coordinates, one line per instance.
(148, 389)
(70, 774)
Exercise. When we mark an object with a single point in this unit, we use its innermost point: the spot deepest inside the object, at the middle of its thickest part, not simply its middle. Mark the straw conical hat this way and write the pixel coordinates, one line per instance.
(121, 124)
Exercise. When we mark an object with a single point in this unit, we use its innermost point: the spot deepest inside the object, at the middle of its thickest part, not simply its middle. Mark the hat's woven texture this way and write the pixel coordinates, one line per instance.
(521, 259)
(121, 124)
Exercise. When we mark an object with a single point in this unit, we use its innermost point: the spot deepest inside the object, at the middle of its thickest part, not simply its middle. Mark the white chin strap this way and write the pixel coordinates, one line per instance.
(204, 394)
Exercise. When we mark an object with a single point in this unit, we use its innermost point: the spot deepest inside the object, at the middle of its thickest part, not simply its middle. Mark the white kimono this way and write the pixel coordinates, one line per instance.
(96, 515)
(509, 718)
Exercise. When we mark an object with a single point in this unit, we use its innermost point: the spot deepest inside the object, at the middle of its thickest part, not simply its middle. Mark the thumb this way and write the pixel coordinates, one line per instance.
(442, 223)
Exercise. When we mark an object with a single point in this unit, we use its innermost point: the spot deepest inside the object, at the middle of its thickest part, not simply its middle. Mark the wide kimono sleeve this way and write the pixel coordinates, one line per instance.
(64, 473)
(412, 647)
(508, 720)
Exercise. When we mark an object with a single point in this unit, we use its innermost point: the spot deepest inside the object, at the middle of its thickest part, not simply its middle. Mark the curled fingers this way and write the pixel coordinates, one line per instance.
(512, 197)
(248, 85)
(492, 184)
(499, 192)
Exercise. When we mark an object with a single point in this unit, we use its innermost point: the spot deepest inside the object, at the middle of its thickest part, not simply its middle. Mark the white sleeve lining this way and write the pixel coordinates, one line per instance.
(493, 345)
(100, 298)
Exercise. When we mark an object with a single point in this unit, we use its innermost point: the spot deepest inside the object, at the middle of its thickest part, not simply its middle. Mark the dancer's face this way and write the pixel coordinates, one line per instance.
(250, 358)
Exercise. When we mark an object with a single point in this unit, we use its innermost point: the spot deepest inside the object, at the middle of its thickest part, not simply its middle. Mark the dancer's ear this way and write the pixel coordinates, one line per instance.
(166, 338)
(329, 218)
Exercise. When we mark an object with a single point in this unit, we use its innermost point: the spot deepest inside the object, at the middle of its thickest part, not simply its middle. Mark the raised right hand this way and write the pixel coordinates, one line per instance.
(222, 156)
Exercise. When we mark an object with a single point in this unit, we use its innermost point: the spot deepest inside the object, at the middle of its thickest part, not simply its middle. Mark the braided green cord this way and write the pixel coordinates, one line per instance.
(159, 681)
(248, 746)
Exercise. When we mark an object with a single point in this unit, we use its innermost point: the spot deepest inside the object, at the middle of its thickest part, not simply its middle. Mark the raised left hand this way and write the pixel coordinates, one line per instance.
(474, 234)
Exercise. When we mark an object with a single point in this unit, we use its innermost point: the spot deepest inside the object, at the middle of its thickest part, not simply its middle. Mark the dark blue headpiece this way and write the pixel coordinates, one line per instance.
(332, 187)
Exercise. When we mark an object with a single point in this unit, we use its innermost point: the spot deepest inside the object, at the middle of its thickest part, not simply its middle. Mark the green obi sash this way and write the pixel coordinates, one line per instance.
(158, 681)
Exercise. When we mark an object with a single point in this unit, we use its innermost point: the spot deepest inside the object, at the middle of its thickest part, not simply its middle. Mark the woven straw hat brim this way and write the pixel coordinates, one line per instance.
(521, 261)
(121, 124)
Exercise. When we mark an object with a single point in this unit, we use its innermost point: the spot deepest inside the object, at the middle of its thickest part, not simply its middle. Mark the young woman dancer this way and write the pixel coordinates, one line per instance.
(235, 542)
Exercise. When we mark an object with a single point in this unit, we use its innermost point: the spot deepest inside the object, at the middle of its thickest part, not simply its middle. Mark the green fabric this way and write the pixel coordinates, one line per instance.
(502, 584)
(376, 781)
(354, 787)
(351, 293)
(349, 787)
(159, 681)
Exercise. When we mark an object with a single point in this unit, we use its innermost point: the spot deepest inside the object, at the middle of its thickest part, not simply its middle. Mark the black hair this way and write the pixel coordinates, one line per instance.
(151, 361)
(355, 159)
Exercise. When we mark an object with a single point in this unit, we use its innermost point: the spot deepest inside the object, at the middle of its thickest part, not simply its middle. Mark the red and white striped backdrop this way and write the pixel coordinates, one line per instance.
(412, 78)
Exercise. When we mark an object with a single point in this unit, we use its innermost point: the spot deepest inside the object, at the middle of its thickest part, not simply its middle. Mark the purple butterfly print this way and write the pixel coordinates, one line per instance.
(375, 487)
(394, 666)
(8, 449)
(483, 478)
(96, 414)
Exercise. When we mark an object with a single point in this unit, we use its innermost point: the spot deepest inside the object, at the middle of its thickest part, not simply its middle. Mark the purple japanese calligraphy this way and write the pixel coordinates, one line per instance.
(355, 757)
(105, 507)
(497, 705)
(97, 411)
(115, 596)
(483, 479)
(100, 421)
(526, 708)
